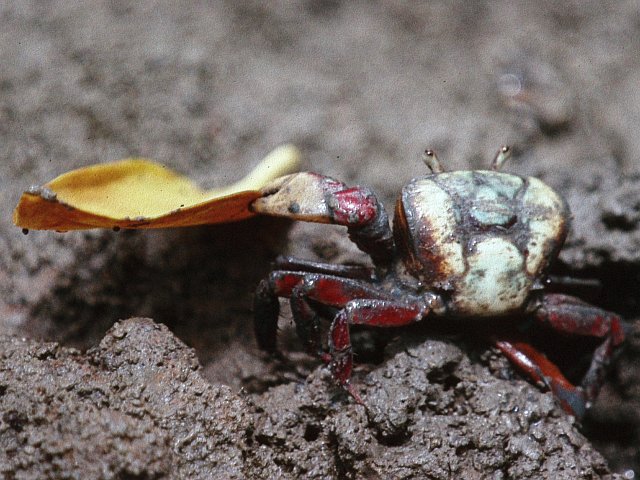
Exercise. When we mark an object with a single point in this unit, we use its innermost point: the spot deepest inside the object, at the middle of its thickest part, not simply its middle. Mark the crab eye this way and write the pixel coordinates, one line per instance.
(430, 159)
(502, 156)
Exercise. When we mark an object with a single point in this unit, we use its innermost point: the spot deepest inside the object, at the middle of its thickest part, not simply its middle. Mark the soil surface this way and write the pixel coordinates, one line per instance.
(208, 88)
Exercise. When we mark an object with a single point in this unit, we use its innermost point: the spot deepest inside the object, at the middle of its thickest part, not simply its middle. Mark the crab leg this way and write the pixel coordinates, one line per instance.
(266, 307)
(570, 315)
(361, 272)
(307, 323)
(327, 290)
(360, 304)
(315, 198)
(372, 312)
(541, 370)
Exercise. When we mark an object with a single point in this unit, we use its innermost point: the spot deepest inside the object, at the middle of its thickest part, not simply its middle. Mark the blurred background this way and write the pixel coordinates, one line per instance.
(362, 88)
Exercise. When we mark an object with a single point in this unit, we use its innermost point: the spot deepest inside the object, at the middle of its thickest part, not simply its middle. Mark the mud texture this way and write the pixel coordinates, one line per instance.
(362, 88)
(136, 406)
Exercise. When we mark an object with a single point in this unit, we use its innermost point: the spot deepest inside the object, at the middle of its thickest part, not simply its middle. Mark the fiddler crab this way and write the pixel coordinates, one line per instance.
(466, 244)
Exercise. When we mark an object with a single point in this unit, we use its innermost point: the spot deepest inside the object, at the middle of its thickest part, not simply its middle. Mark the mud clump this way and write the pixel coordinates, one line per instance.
(137, 406)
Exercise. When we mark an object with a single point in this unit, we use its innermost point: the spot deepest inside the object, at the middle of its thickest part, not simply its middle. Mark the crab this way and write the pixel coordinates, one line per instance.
(472, 245)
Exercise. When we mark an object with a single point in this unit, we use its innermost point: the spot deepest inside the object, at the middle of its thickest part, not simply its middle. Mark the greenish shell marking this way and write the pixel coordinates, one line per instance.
(495, 281)
(488, 193)
(483, 236)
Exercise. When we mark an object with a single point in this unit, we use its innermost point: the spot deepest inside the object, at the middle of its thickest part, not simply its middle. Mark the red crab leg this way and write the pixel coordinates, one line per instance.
(540, 369)
(315, 198)
(327, 290)
(376, 313)
(569, 315)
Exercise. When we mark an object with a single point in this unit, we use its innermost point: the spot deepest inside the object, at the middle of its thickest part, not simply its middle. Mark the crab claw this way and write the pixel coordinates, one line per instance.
(315, 198)
(300, 196)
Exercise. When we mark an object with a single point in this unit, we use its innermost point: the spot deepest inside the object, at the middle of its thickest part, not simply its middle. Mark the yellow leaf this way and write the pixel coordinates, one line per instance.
(139, 193)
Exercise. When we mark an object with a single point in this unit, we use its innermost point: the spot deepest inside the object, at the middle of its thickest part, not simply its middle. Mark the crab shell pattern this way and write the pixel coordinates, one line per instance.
(480, 238)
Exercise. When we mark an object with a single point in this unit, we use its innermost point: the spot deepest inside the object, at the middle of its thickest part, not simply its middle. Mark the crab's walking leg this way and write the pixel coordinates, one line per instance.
(570, 315)
(541, 370)
(324, 291)
(376, 313)
(361, 272)
(266, 307)
(315, 198)
(301, 287)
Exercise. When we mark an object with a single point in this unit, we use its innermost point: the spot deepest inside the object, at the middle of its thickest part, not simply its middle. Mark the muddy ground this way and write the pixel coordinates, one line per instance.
(362, 88)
